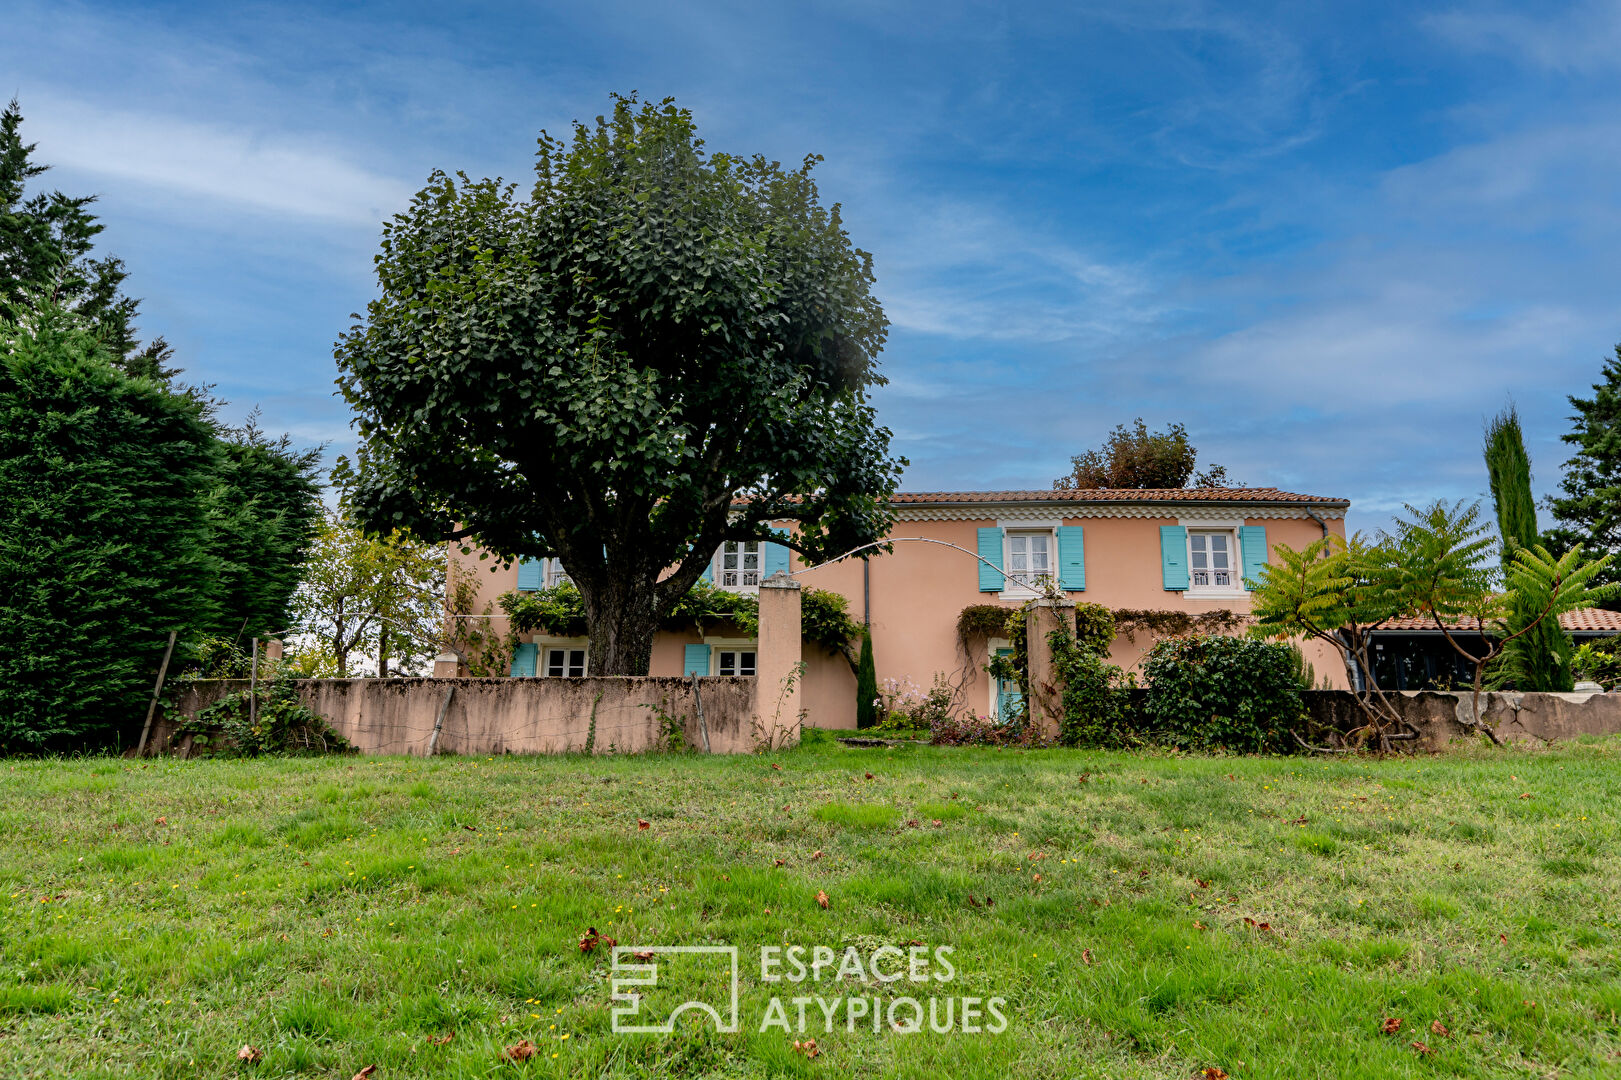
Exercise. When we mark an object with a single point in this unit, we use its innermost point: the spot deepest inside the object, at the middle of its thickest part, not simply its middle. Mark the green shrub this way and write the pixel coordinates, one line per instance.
(1097, 711)
(1217, 692)
(866, 686)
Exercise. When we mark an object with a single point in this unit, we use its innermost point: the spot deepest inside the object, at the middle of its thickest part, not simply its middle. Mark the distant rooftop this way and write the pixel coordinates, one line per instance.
(1263, 496)
(1588, 620)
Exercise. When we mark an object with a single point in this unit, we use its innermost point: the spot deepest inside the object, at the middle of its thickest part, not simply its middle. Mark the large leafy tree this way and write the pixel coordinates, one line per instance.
(1588, 506)
(657, 350)
(1539, 658)
(1135, 457)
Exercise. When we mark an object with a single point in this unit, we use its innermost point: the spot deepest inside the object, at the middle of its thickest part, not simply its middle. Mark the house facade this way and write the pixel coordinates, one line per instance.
(1183, 551)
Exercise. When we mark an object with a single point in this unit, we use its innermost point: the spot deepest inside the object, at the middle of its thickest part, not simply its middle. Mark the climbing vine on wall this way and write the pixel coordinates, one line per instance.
(1130, 622)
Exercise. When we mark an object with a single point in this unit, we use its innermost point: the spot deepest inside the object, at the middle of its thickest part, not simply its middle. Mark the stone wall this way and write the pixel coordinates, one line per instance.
(520, 716)
(1513, 717)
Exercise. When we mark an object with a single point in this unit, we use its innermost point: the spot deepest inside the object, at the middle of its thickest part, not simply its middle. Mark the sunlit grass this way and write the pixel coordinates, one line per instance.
(1159, 916)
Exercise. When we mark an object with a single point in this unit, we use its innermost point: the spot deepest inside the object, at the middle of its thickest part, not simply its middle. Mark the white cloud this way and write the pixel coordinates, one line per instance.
(1584, 37)
(277, 173)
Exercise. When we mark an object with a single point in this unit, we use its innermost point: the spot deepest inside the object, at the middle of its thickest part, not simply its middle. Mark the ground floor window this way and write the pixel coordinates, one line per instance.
(566, 663)
(734, 662)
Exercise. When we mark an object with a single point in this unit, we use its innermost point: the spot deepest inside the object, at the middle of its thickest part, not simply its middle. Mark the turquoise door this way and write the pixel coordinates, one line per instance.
(1008, 699)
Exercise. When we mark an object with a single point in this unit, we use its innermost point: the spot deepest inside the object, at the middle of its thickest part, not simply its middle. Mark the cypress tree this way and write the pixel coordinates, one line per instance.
(866, 685)
(1541, 659)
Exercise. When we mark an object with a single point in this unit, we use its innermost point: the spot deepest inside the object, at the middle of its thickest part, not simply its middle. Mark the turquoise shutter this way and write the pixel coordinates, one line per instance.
(990, 550)
(1071, 558)
(1252, 543)
(1173, 556)
(523, 658)
(775, 557)
(709, 571)
(695, 660)
(531, 576)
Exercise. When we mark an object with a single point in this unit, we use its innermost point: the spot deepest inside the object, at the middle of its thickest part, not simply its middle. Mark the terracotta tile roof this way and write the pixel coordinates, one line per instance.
(1588, 620)
(1271, 496)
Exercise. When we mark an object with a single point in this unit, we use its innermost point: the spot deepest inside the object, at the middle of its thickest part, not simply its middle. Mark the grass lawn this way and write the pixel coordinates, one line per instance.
(338, 913)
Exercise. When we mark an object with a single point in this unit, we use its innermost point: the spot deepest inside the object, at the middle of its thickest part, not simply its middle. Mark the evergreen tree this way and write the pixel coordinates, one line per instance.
(866, 685)
(104, 535)
(126, 508)
(1588, 507)
(1539, 660)
(46, 261)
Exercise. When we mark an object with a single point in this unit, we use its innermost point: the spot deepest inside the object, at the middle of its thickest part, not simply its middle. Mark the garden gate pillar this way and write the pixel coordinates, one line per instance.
(1046, 704)
(779, 673)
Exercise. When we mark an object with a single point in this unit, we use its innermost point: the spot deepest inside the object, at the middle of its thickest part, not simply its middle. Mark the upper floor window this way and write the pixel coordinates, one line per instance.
(739, 565)
(1029, 559)
(555, 574)
(1210, 559)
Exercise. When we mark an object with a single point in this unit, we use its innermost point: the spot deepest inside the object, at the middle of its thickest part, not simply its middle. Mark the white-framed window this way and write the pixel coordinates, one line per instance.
(733, 661)
(555, 574)
(1213, 560)
(563, 661)
(1028, 558)
(738, 565)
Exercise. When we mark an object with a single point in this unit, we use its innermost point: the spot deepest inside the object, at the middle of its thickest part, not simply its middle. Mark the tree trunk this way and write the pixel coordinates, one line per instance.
(382, 655)
(622, 623)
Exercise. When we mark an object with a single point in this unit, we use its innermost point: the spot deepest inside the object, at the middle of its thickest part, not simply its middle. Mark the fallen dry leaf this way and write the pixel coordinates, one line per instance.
(779, 862)
(869, 776)
(775, 766)
(642, 823)
(821, 898)
(935, 822)
(914, 823)
(1197, 925)
(645, 954)
(469, 828)
(250, 1054)
(441, 1040)
(1034, 855)
(816, 855)
(1213, 1072)
(808, 1048)
(1083, 778)
(1421, 1048)
(1391, 1025)
(1525, 795)
(165, 821)
(1202, 883)
(522, 1051)
(592, 939)
(972, 902)
(364, 1073)
(1502, 938)
(1438, 1028)
(1036, 877)
(1086, 957)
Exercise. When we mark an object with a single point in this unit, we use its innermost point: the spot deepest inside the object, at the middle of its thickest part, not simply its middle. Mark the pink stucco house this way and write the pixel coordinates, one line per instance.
(1173, 549)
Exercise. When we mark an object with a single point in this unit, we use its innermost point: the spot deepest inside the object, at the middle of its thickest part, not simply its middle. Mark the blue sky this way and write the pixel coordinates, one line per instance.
(1330, 239)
